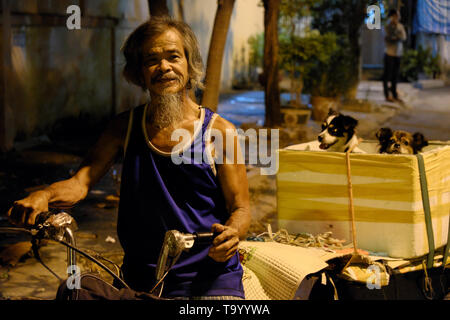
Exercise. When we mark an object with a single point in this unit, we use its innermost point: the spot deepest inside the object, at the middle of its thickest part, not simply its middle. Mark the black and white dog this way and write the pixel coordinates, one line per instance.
(338, 133)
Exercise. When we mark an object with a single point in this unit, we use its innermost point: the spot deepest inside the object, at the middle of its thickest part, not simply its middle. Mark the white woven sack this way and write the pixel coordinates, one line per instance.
(280, 268)
(252, 287)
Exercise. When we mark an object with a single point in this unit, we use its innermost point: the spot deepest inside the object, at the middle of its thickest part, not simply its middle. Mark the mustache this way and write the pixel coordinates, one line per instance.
(164, 77)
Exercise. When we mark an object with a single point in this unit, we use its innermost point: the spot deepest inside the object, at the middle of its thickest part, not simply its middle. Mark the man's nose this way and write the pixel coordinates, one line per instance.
(164, 65)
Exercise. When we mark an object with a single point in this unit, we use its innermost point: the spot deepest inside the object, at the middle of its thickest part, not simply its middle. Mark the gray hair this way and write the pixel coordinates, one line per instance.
(132, 50)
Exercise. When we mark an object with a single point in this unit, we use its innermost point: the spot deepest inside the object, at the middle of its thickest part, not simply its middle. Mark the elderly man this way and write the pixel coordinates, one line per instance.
(157, 194)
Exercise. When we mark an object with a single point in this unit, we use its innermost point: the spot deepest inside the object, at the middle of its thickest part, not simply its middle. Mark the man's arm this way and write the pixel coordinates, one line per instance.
(390, 33)
(68, 192)
(401, 33)
(394, 33)
(233, 180)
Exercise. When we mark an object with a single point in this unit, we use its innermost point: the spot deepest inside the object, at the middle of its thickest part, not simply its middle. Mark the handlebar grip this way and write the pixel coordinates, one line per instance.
(42, 217)
(205, 237)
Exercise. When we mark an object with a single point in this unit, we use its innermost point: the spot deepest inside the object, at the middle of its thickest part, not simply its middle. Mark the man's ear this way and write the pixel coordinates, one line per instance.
(384, 134)
(419, 142)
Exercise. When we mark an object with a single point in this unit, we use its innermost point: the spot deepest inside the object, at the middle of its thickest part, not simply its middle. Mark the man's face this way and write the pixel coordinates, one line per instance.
(165, 66)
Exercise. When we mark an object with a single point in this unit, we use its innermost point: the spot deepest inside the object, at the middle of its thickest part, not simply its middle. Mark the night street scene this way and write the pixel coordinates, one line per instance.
(251, 150)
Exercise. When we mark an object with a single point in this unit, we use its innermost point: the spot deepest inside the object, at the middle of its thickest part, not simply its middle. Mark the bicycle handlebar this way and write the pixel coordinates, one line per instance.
(60, 227)
(205, 237)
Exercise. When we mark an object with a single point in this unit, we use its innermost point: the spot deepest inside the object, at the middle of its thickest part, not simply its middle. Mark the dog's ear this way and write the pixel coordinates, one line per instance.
(384, 134)
(350, 122)
(332, 112)
(419, 142)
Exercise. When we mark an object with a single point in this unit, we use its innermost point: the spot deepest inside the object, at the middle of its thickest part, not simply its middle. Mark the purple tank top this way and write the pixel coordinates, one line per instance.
(158, 195)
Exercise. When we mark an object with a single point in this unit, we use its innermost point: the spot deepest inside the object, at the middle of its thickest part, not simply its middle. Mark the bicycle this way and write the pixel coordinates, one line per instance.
(60, 227)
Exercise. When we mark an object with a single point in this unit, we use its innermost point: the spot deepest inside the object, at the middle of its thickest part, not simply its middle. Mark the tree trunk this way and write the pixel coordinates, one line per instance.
(299, 90)
(292, 93)
(354, 33)
(181, 10)
(158, 8)
(271, 83)
(215, 55)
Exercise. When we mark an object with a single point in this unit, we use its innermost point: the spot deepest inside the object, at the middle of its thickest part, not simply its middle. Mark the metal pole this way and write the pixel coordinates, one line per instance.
(71, 255)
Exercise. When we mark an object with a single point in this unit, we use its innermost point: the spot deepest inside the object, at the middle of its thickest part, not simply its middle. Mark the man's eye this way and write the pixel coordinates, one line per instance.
(150, 62)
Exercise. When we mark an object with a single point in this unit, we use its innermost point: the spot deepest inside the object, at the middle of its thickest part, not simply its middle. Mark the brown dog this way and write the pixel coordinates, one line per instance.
(400, 142)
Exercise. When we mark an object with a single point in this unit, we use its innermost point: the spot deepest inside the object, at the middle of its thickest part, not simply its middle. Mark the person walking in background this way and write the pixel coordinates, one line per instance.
(394, 36)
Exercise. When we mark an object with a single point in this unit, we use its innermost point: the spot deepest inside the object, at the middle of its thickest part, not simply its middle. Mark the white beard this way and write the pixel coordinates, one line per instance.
(165, 110)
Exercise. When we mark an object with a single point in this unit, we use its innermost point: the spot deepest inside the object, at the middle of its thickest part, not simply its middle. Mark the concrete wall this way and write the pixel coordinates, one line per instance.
(439, 44)
(59, 74)
(247, 20)
(56, 73)
(372, 48)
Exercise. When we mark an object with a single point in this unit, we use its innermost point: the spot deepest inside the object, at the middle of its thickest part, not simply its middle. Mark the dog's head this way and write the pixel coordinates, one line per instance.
(400, 142)
(337, 130)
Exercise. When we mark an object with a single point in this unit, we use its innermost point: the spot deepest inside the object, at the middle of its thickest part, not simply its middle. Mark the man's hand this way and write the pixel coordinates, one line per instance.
(24, 212)
(225, 244)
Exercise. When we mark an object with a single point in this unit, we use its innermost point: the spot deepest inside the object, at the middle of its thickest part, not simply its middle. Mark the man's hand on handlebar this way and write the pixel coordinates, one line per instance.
(225, 244)
(24, 212)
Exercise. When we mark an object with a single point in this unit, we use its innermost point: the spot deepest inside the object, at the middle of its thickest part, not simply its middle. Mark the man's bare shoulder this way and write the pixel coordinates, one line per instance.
(227, 131)
(118, 127)
(222, 124)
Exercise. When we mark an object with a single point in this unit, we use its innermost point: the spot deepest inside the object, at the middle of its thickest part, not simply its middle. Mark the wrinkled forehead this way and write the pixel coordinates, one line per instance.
(168, 40)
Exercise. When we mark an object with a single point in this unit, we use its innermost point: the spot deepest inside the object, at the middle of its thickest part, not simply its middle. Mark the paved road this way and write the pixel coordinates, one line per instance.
(428, 110)
(430, 114)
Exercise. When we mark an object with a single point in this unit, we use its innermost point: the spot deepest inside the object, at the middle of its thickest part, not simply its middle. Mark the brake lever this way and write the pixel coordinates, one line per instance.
(40, 219)
(174, 244)
(58, 227)
(49, 225)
